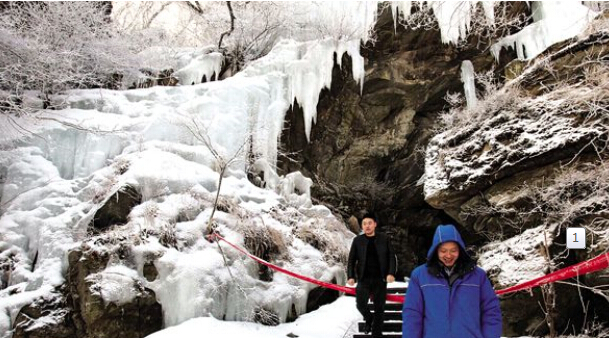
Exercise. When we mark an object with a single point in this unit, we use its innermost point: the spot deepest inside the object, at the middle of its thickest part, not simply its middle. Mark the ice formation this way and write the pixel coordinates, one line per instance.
(554, 21)
(469, 86)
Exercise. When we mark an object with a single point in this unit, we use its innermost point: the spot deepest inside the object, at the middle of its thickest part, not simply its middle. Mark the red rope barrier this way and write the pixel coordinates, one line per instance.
(341, 288)
(597, 263)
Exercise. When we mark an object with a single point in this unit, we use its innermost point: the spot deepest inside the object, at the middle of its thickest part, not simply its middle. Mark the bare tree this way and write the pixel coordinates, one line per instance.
(139, 15)
(248, 31)
(199, 131)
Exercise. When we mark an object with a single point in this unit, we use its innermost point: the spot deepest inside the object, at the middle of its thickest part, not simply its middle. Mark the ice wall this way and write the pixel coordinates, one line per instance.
(554, 21)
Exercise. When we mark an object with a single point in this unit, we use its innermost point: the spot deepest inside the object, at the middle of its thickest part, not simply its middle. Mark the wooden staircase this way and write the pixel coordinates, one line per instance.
(392, 325)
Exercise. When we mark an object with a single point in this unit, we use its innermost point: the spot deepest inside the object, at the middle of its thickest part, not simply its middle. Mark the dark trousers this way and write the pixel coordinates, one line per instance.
(377, 288)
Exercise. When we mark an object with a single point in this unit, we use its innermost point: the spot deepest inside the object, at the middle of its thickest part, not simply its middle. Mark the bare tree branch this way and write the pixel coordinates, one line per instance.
(232, 24)
(195, 6)
(156, 13)
(201, 134)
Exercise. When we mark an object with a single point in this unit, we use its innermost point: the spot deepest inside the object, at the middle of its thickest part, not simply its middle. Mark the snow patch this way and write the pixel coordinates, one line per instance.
(517, 259)
(116, 284)
(323, 323)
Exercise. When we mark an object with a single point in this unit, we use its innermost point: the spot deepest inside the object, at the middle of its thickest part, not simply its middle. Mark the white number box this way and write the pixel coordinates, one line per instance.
(576, 238)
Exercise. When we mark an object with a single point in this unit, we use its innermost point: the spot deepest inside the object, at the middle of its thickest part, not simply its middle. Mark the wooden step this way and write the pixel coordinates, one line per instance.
(392, 315)
(388, 307)
(387, 327)
(385, 335)
(400, 291)
(392, 326)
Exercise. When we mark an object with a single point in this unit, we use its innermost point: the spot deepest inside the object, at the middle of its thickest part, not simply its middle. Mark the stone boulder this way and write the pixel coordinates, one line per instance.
(46, 317)
(95, 317)
(116, 208)
(79, 310)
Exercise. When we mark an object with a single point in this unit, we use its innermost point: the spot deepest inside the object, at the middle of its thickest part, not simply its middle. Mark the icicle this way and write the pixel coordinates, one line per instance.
(308, 68)
(358, 69)
(201, 66)
(467, 77)
(454, 19)
(398, 7)
(395, 13)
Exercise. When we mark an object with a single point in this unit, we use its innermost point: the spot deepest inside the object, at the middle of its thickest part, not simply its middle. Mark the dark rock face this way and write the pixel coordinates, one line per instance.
(320, 296)
(523, 312)
(54, 311)
(117, 208)
(150, 272)
(376, 150)
(530, 163)
(93, 317)
(474, 158)
(266, 317)
(366, 151)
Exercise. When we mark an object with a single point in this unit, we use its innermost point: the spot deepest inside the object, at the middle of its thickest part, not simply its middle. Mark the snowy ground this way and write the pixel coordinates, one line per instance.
(336, 320)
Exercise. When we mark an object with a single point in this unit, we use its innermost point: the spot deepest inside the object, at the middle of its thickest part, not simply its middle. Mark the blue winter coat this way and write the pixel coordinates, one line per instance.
(434, 309)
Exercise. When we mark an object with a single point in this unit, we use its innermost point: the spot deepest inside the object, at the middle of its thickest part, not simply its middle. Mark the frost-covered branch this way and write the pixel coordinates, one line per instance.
(195, 6)
(223, 162)
(48, 47)
(458, 20)
(154, 14)
(232, 24)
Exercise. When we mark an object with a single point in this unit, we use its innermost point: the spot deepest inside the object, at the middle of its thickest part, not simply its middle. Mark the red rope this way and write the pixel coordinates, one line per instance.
(341, 288)
(597, 263)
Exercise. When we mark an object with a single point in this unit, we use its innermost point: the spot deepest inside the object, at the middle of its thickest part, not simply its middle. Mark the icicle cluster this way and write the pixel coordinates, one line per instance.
(454, 17)
(554, 21)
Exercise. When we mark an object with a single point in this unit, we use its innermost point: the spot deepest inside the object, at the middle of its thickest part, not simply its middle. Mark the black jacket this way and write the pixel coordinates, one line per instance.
(357, 256)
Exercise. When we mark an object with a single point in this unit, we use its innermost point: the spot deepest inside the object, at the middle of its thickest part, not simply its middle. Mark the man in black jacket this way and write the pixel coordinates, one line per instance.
(373, 264)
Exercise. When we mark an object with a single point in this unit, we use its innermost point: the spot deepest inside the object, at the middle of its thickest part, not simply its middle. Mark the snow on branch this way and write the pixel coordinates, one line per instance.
(48, 47)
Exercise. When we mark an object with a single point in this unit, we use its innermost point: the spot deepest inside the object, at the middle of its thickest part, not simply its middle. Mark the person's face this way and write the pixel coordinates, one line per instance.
(369, 226)
(448, 253)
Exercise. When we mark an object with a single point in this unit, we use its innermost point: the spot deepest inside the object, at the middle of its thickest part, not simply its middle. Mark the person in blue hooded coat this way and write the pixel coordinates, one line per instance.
(449, 296)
